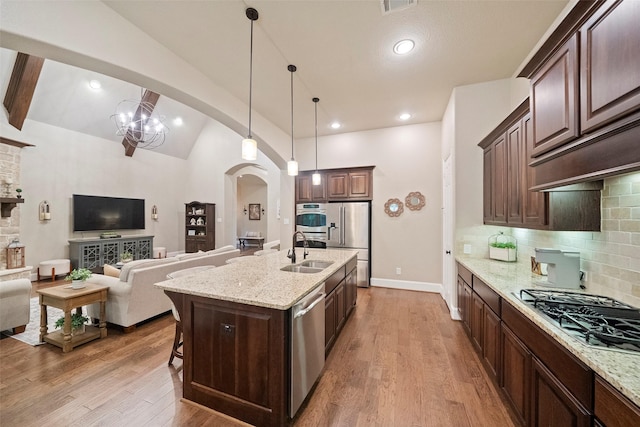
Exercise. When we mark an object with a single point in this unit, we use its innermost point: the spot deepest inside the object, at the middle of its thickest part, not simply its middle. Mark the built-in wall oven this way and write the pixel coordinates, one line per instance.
(311, 219)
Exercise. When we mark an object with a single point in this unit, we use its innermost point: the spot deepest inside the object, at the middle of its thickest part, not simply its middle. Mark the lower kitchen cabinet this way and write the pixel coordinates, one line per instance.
(341, 297)
(551, 403)
(516, 373)
(475, 322)
(340, 306)
(491, 343)
(351, 289)
(612, 409)
(329, 321)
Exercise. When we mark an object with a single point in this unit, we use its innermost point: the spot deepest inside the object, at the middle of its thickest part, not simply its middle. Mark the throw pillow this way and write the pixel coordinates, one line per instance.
(110, 270)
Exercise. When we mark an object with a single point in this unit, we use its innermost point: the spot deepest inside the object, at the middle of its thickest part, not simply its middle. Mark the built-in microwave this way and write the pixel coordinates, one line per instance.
(311, 219)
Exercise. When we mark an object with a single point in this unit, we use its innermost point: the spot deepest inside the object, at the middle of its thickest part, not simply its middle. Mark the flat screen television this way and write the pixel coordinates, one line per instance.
(92, 213)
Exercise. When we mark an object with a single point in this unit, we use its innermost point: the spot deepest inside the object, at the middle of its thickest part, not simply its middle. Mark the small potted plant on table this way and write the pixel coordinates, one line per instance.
(78, 323)
(78, 277)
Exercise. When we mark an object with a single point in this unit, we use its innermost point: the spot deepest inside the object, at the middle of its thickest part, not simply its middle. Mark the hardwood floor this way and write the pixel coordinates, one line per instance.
(400, 361)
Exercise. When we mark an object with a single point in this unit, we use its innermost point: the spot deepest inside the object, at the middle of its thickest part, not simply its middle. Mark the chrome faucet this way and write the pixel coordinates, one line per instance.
(305, 249)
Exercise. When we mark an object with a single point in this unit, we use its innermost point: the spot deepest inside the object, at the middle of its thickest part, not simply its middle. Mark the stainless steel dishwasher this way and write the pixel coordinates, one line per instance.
(307, 346)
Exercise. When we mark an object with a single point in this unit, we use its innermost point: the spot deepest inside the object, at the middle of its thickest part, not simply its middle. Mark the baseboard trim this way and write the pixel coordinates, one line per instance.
(407, 285)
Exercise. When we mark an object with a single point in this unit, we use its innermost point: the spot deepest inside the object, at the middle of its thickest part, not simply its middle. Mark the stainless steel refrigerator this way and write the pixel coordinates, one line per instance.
(349, 227)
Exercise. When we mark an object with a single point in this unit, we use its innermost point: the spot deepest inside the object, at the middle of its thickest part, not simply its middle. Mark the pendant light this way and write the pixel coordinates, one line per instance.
(316, 178)
(292, 165)
(249, 145)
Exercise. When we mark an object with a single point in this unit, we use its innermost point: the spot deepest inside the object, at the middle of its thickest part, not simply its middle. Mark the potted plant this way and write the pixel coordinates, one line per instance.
(502, 247)
(78, 277)
(126, 256)
(78, 322)
(19, 191)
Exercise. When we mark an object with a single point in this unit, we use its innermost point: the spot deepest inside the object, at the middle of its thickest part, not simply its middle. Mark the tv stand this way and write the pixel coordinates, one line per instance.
(96, 252)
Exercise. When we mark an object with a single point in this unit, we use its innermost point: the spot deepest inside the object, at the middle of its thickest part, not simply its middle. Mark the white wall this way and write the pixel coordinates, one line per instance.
(251, 190)
(406, 159)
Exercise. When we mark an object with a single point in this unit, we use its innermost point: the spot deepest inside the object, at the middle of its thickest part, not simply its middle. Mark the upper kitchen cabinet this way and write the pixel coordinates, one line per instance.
(307, 192)
(349, 184)
(508, 199)
(554, 99)
(585, 95)
(353, 184)
(610, 64)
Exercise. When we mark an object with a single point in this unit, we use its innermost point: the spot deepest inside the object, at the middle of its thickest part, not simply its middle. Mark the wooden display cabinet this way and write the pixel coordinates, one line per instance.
(199, 227)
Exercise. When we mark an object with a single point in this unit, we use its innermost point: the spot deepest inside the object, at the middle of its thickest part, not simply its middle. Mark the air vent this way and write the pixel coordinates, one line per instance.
(389, 6)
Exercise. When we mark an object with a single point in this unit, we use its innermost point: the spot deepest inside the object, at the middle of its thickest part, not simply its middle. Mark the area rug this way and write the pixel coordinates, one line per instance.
(31, 335)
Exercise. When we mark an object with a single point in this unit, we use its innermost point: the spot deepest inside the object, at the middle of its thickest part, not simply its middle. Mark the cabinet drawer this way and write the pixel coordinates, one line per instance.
(464, 273)
(612, 408)
(333, 280)
(575, 376)
(487, 294)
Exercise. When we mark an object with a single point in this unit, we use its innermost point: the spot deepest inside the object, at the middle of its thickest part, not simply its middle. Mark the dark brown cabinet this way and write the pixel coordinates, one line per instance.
(464, 295)
(341, 289)
(491, 341)
(353, 184)
(516, 373)
(609, 64)
(349, 185)
(612, 408)
(552, 405)
(554, 99)
(475, 321)
(508, 178)
(200, 227)
(585, 95)
(307, 192)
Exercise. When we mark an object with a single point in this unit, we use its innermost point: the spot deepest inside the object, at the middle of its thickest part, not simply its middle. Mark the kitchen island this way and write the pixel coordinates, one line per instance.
(236, 329)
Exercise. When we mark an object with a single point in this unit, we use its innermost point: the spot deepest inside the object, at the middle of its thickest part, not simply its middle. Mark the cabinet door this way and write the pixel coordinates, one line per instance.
(515, 172)
(614, 409)
(307, 192)
(340, 306)
(610, 64)
(477, 308)
(554, 99)
(329, 321)
(534, 203)
(467, 307)
(491, 341)
(516, 373)
(337, 185)
(487, 187)
(499, 181)
(351, 290)
(551, 404)
(359, 185)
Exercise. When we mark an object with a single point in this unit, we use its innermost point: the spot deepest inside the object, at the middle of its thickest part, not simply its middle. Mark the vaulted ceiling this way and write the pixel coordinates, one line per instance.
(343, 51)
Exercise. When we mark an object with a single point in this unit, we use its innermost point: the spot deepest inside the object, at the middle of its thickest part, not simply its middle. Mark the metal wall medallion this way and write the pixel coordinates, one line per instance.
(394, 207)
(415, 201)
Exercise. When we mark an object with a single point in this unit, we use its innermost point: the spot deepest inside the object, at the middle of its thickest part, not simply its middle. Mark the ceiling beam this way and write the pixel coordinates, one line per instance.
(14, 143)
(22, 84)
(151, 98)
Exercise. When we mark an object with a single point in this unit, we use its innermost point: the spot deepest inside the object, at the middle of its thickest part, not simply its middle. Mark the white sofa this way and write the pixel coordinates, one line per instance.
(133, 298)
(15, 306)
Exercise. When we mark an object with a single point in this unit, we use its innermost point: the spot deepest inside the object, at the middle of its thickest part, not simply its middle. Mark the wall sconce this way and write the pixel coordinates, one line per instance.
(45, 212)
(154, 213)
(15, 255)
(262, 211)
(245, 209)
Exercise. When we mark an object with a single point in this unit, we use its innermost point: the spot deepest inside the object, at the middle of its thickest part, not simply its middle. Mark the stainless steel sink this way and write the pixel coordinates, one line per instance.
(301, 269)
(316, 263)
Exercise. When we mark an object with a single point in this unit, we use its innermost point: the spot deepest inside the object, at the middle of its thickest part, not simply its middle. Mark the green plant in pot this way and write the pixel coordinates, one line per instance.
(77, 323)
(78, 277)
(126, 256)
(503, 245)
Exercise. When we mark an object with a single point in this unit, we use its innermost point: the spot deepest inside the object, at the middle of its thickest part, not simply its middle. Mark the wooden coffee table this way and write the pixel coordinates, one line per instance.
(66, 299)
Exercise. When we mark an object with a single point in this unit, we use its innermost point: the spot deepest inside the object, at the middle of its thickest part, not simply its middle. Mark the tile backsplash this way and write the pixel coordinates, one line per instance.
(610, 258)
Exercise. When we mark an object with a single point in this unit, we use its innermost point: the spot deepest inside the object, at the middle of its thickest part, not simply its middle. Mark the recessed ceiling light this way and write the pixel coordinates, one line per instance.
(405, 116)
(335, 125)
(403, 47)
(178, 121)
(95, 84)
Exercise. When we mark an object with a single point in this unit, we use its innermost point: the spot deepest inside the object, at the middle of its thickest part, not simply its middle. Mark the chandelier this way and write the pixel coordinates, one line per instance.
(137, 123)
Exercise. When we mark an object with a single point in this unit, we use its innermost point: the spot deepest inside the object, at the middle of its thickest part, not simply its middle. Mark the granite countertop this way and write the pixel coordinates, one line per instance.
(507, 279)
(258, 281)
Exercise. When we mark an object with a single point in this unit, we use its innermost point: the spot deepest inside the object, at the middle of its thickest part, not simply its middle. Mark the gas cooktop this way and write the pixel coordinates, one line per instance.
(597, 320)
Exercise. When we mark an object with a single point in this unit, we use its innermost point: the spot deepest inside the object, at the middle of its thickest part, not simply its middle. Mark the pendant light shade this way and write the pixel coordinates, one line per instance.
(316, 178)
(249, 145)
(292, 165)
